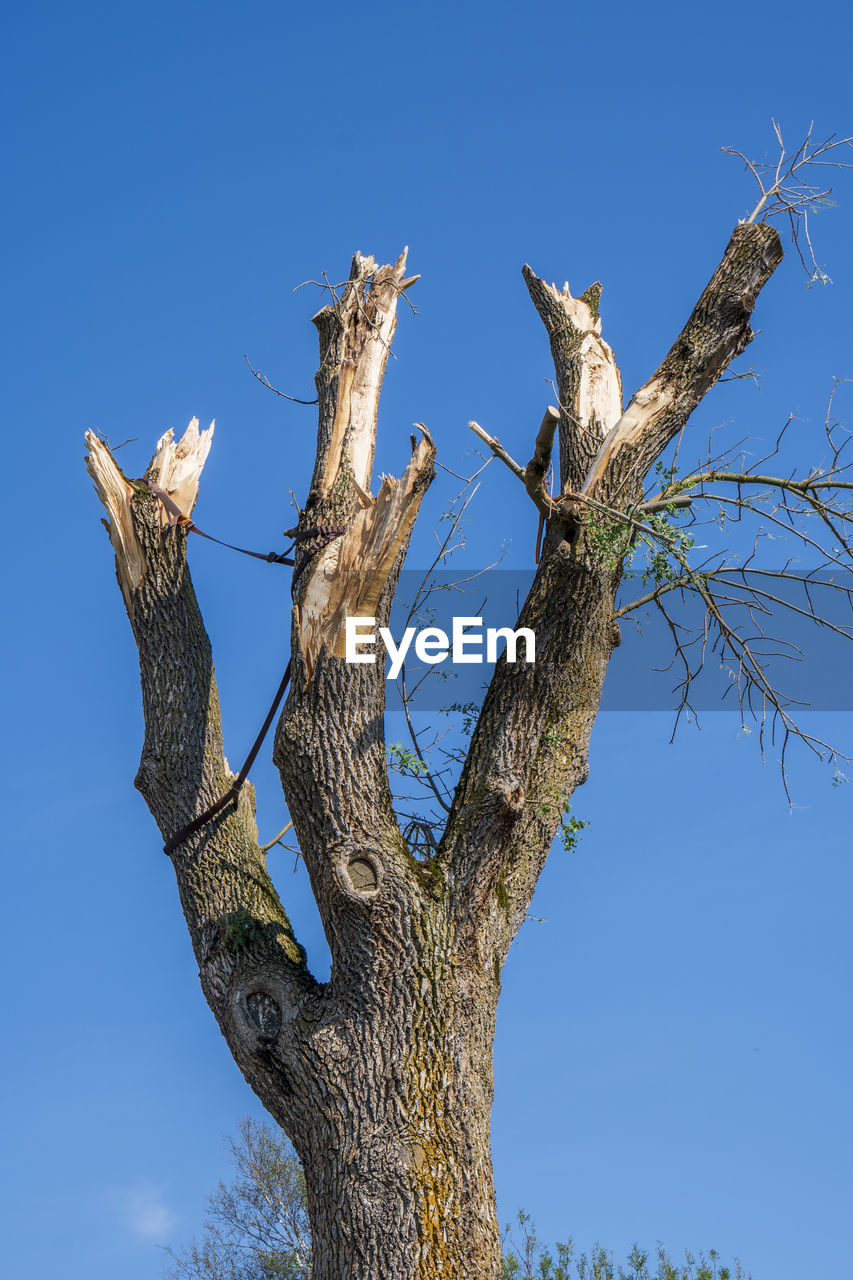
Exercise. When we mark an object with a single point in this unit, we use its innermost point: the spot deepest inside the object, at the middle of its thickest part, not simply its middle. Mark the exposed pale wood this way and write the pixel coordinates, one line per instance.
(532, 476)
(497, 449)
(355, 337)
(588, 380)
(177, 466)
(340, 424)
(599, 402)
(352, 572)
(364, 498)
(577, 310)
(647, 408)
(115, 493)
(370, 369)
(356, 332)
(537, 467)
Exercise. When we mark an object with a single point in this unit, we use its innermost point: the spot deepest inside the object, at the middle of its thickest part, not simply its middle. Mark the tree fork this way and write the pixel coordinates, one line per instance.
(382, 1077)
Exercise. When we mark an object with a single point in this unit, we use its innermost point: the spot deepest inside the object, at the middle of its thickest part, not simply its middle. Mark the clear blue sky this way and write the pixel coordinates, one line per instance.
(674, 1049)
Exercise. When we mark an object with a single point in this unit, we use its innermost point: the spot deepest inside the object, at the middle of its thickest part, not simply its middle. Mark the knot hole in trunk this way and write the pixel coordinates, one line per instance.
(265, 1013)
(360, 872)
(259, 1006)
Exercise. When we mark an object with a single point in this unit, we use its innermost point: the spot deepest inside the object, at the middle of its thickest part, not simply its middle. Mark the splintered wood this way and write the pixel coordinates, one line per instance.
(340, 425)
(599, 397)
(357, 331)
(176, 468)
(348, 577)
(648, 406)
(115, 493)
(351, 575)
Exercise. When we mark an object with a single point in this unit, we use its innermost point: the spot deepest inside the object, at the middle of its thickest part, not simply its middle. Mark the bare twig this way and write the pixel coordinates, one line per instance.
(498, 450)
(783, 502)
(266, 383)
(265, 848)
(785, 190)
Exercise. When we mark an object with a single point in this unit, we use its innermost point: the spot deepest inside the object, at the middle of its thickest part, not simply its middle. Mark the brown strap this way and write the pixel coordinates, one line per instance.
(234, 790)
(320, 536)
(177, 518)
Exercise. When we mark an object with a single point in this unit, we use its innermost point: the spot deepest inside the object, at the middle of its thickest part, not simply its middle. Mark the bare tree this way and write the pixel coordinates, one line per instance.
(257, 1226)
(382, 1077)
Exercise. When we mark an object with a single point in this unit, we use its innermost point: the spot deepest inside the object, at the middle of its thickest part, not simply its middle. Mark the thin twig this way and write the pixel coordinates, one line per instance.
(265, 848)
(266, 383)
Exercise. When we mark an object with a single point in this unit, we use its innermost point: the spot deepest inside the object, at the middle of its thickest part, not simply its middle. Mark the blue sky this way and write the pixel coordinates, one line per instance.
(674, 1050)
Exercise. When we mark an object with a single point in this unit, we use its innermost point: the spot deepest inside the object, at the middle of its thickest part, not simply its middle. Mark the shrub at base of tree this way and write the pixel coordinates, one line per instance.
(525, 1258)
(257, 1229)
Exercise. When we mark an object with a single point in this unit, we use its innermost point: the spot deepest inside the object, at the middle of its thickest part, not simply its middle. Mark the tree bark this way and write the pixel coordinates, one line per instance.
(382, 1077)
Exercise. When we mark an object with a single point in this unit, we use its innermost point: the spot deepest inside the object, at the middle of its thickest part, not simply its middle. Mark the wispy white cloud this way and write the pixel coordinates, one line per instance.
(144, 1211)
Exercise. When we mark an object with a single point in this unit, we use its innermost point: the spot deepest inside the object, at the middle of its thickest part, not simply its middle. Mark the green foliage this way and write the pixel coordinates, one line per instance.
(419, 830)
(653, 543)
(469, 711)
(608, 537)
(526, 1258)
(570, 830)
(666, 543)
(406, 762)
(257, 1227)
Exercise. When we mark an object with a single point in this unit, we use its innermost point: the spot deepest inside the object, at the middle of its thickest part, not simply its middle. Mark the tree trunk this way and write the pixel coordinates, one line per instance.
(382, 1077)
(396, 1142)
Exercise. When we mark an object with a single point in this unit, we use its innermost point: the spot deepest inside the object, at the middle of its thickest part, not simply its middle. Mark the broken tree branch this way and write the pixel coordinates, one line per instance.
(533, 475)
(588, 381)
(786, 190)
(717, 331)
